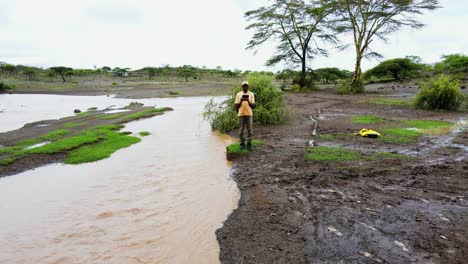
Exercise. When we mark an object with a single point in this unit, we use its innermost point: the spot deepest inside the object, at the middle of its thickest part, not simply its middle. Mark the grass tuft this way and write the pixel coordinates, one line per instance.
(387, 101)
(72, 125)
(108, 117)
(338, 154)
(322, 153)
(113, 141)
(144, 133)
(426, 124)
(236, 149)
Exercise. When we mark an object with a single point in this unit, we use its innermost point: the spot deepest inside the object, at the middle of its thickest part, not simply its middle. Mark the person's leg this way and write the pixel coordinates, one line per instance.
(249, 130)
(241, 130)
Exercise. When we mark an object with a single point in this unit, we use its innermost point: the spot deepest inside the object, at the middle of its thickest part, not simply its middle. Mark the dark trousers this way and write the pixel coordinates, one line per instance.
(245, 122)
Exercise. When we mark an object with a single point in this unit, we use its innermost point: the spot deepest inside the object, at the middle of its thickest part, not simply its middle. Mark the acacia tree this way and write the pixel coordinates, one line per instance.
(371, 19)
(62, 71)
(297, 26)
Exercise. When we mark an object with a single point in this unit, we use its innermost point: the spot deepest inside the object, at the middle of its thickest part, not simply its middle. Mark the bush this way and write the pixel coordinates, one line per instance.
(440, 94)
(270, 106)
(351, 88)
(4, 87)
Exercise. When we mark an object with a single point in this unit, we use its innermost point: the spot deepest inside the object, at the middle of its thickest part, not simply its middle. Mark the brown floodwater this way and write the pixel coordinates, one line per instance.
(158, 201)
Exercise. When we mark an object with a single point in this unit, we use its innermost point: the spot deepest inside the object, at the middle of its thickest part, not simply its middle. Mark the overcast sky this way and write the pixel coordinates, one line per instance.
(138, 33)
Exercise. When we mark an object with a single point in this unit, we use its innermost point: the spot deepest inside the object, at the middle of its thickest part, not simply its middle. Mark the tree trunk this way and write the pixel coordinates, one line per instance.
(303, 73)
(186, 79)
(357, 70)
(63, 77)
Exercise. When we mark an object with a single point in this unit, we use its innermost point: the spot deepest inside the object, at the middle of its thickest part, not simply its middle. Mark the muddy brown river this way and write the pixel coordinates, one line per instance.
(158, 201)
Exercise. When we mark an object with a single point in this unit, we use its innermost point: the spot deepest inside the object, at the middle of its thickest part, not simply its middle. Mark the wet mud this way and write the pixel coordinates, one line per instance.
(390, 210)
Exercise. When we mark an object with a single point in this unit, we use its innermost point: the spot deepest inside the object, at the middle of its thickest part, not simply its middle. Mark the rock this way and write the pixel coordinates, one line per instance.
(77, 111)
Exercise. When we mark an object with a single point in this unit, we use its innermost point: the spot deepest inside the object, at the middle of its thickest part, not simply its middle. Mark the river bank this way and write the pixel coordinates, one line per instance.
(406, 204)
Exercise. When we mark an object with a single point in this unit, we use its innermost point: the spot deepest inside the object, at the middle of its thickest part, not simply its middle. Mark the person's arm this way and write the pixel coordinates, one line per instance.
(238, 102)
(252, 102)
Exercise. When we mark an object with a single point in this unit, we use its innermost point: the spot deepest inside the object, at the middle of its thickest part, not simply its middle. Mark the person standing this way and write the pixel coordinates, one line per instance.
(245, 103)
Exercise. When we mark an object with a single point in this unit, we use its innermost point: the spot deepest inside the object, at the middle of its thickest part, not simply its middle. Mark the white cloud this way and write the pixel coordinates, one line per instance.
(138, 33)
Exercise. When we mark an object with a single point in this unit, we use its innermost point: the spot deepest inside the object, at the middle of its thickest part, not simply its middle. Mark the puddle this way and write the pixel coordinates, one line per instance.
(116, 111)
(37, 145)
(158, 201)
(43, 125)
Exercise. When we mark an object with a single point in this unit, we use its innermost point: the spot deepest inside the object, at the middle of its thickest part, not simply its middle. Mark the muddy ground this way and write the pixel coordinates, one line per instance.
(390, 210)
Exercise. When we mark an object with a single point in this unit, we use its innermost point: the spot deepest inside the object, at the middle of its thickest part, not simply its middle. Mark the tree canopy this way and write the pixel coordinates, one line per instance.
(298, 26)
(368, 20)
(398, 69)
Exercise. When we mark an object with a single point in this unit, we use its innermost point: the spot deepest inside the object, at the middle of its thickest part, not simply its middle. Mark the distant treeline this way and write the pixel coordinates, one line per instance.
(397, 69)
(67, 73)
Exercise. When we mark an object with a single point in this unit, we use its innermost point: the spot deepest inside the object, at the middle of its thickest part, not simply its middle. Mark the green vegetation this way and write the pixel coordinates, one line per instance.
(144, 114)
(236, 149)
(83, 114)
(110, 142)
(270, 106)
(114, 83)
(396, 69)
(108, 117)
(367, 119)
(388, 101)
(440, 94)
(174, 92)
(72, 125)
(327, 75)
(399, 135)
(370, 20)
(90, 145)
(338, 154)
(297, 26)
(322, 153)
(452, 64)
(4, 87)
(144, 133)
(426, 124)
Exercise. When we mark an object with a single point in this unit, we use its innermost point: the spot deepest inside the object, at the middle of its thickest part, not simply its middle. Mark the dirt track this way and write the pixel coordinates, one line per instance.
(384, 211)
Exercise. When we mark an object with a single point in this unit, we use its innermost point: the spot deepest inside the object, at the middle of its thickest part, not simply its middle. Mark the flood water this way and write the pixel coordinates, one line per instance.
(158, 201)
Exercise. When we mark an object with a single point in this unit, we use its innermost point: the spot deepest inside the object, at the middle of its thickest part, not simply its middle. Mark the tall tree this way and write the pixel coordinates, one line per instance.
(297, 26)
(371, 19)
(151, 71)
(30, 73)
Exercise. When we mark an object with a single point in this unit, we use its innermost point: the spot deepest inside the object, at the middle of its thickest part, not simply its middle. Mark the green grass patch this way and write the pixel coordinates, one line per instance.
(113, 141)
(6, 161)
(108, 117)
(426, 124)
(143, 114)
(83, 114)
(144, 133)
(366, 120)
(72, 125)
(393, 102)
(399, 135)
(54, 135)
(174, 92)
(322, 153)
(236, 149)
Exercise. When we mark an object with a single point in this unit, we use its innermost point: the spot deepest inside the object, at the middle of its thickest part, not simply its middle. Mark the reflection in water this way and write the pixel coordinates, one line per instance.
(159, 201)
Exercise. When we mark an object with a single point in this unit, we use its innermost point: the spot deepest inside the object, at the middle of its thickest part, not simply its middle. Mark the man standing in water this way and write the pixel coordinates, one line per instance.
(245, 103)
